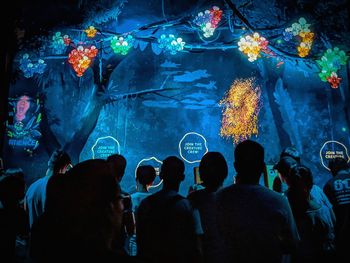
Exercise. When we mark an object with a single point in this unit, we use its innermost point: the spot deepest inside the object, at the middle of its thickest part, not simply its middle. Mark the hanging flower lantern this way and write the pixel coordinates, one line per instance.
(252, 45)
(171, 44)
(330, 63)
(121, 45)
(66, 40)
(91, 31)
(208, 21)
(302, 30)
(81, 58)
(58, 45)
(30, 68)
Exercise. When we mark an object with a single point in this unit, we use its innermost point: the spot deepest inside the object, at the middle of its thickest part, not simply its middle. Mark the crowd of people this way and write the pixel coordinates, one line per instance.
(79, 213)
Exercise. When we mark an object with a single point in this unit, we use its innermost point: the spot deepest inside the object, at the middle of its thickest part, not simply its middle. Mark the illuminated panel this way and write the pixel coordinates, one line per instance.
(333, 153)
(193, 148)
(105, 149)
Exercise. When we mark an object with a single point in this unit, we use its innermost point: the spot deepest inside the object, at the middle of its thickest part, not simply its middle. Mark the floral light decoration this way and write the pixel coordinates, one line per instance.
(121, 45)
(171, 44)
(330, 63)
(30, 68)
(252, 45)
(208, 21)
(302, 30)
(241, 109)
(81, 58)
(91, 31)
(58, 43)
(67, 40)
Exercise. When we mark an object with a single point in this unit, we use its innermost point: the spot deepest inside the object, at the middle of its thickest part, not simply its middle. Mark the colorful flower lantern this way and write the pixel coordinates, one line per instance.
(302, 30)
(29, 68)
(91, 31)
(330, 63)
(81, 58)
(208, 21)
(121, 45)
(58, 44)
(67, 40)
(252, 45)
(171, 43)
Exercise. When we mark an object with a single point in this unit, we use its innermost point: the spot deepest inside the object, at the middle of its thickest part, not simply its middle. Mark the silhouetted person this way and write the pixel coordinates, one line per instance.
(338, 191)
(13, 220)
(255, 223)
(165, 222)
(117, 164)
(289, 158)
(35, 197)
(213, 171)
(145, 175)
(82, 228)
(315, 222)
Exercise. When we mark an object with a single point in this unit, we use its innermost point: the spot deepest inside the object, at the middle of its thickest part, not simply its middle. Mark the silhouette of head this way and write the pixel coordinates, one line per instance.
(337, 164)
(12, 187)
(172, 171)
(92, 206)
(291, 152)
(300, 178)
(117, 163)
(299, 182)
(249, 162)
(213, 170)
(59, 162)
(145, 175)
(285, 165)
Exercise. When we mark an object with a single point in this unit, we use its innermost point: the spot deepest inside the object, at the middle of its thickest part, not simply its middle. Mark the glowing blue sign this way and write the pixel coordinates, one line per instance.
(104, 147)
(331, 150)
(192, 147)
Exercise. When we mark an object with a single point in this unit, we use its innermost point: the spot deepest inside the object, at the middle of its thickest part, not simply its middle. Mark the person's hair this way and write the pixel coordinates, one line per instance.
(58, 160)
(12, 187)
(284, 166)
(172, 170)
(291, 152)
(337, 164)
(86, 214)
(213, 170)
(301, 178)
(299, 183)
(145, 174)
(249, 161)
(117, 164)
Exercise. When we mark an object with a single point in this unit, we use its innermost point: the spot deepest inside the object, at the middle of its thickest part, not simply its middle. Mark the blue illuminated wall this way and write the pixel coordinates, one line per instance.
(152, 99)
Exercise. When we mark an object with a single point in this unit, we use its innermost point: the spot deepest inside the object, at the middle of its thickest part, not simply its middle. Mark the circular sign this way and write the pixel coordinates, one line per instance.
(104, 147)
(156, 164)
(331, 150)
(192, 147)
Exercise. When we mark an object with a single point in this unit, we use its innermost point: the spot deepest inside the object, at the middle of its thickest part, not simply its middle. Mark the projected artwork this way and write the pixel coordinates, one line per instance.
(331, 150)
(156, 163)
(104, 147)
(192, 147)
(23, 124)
